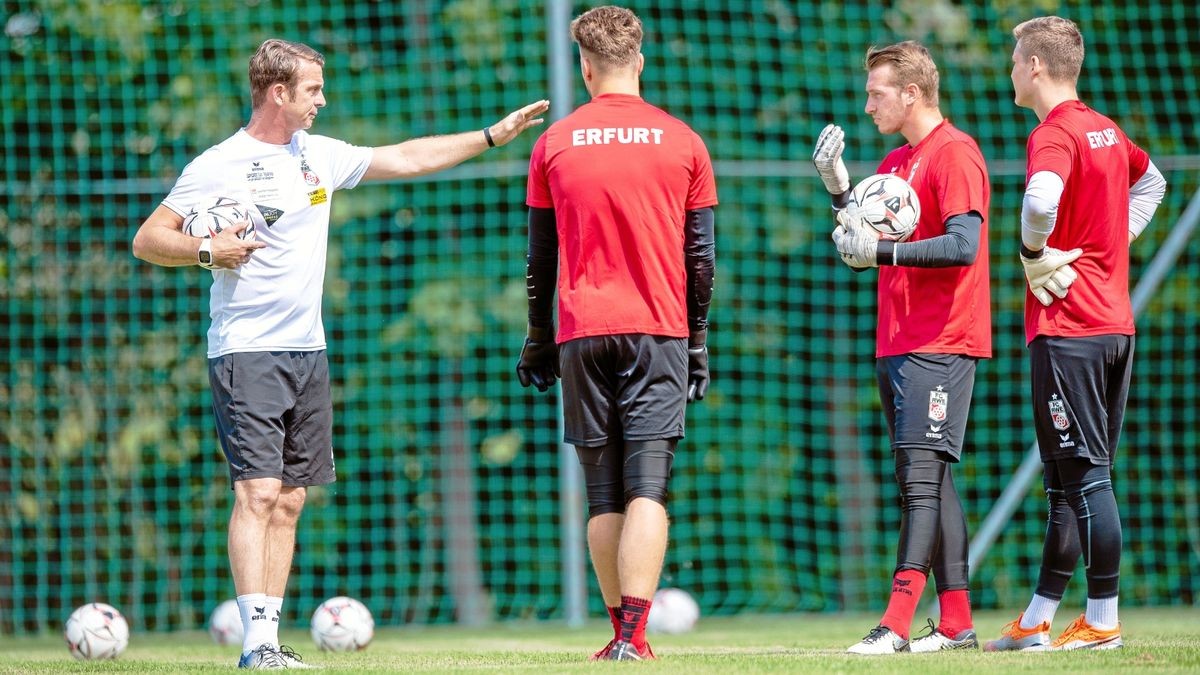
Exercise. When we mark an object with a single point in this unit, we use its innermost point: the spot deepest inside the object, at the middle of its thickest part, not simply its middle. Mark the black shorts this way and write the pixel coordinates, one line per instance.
(926, 398)
(274, 415)
(623, 388)
(1080, 386)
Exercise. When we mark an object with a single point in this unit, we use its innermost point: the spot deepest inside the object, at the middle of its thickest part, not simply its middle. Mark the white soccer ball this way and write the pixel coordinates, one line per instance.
(888, 204)
(342, 624)
(225, 624)
(96, 631)
(213, 214)
(673, 611)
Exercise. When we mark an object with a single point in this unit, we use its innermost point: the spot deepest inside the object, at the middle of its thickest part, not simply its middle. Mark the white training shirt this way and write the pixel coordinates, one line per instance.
(273, 302)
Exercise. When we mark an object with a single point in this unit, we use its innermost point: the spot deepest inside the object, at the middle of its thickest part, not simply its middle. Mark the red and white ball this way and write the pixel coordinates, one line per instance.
(96, 631)
(887, 204)
(342, 624)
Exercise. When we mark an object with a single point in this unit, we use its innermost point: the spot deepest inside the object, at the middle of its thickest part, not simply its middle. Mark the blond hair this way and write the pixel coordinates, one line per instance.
(276, 62)
(911, 64)
(1056, 41)
(611, 34)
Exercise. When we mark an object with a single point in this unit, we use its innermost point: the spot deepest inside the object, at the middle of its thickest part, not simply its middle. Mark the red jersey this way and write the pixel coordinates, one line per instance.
(1097, 164)
(939, 310)
(620, 175)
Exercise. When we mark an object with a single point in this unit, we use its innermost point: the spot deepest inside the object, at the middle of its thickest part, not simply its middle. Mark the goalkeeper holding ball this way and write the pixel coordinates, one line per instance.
(266, 344)
(1089, 193)
(620, 199)
(934, 324)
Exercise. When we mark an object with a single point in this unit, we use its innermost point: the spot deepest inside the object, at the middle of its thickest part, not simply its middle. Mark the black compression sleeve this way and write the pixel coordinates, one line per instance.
(541, 266)
(700, 258)
(957, 247)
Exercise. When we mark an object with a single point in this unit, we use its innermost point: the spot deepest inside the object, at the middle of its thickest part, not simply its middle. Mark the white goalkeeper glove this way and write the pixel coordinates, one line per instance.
(1050, 273)
(856, 243)
(827, 157)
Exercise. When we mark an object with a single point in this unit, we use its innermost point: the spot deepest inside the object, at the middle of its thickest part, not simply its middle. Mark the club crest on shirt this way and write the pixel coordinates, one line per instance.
(938, 402)
(310, 176)
(1058, 413)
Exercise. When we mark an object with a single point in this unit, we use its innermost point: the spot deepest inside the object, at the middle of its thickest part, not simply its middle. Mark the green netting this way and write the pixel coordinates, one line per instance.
(112, 482)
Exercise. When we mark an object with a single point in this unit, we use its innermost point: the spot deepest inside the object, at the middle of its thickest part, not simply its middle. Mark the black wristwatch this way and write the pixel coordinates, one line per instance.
(204, 255)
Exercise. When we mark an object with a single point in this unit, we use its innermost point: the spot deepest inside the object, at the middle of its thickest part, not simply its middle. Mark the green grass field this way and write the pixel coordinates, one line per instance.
(1157, 640)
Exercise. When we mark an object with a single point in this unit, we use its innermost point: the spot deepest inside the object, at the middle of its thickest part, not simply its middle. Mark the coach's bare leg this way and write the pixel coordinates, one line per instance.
(604, 539)
(281, 538)
(253, 507)
(643, 545)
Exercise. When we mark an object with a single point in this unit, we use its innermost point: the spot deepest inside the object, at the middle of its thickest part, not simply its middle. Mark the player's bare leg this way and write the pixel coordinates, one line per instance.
(249, 527)
(604, 538)
(639, 562)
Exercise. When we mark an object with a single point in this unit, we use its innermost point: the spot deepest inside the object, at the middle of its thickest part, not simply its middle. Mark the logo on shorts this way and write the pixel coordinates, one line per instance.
(1058, 413)
(938, 402)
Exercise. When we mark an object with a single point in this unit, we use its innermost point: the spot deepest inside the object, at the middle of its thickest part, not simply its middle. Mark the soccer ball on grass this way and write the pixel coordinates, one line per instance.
(887, 204)
(225, 624)
(342, 624)
(673, 611)
(96, 631)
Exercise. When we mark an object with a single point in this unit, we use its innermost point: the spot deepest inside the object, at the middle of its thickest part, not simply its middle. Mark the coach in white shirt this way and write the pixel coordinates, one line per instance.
(266, 343)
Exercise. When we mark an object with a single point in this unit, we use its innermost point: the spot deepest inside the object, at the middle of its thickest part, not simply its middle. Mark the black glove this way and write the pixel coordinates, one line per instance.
(538, 364)
(697, 366)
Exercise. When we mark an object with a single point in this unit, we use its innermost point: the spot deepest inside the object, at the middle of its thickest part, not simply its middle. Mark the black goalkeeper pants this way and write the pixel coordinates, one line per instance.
(933, 528)
(1083, 521)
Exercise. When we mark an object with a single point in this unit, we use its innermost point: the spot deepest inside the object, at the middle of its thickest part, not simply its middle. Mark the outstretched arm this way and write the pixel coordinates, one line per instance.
(420, 156)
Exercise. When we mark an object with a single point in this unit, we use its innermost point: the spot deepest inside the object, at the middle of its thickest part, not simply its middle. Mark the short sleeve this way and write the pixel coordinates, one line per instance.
(537, 190)
(194, 184)
(702, 192)
(1049, 149)
(1139, 161)
(347, 163)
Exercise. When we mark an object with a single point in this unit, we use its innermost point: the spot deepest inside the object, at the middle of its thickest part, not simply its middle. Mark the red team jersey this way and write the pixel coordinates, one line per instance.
(620, 175)
(1097, 164)
(939, 310)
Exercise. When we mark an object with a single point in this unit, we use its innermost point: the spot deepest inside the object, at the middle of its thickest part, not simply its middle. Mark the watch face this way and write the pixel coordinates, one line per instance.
(205, 258)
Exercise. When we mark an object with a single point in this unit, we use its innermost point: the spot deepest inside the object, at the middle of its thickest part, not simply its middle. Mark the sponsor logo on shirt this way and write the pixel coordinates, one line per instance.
(310, 176)
(1102, 139)
(318, 196)
(619, 135)
(258, 173)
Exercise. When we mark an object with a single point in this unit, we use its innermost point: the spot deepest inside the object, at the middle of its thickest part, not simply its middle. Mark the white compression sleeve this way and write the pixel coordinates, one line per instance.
(1144, 197)
(1039, 209)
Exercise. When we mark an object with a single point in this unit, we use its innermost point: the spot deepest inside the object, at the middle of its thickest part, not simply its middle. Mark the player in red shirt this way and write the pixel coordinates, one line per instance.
(1089, 193)
(934, 325)
(620, 202)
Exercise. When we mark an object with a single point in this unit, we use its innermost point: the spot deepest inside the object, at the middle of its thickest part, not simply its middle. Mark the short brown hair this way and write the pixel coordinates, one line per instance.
(911, 64)
(1054, 40)
(612, 34)
(278, 61)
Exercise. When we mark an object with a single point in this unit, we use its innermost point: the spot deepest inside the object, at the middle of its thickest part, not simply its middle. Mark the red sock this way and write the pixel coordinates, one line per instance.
(907, 586)
(956, 611)
(634, 612)
(614, 615)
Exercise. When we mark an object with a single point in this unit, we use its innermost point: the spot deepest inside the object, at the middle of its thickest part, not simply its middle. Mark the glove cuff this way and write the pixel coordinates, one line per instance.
(540, 333)
(1030, 254)
(697, 339)
(885, 252)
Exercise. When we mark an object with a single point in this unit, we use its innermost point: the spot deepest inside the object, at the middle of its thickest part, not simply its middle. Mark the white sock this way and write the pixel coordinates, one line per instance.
(255, 620)
(1040, 610)
(274, 615)
(1102, 613)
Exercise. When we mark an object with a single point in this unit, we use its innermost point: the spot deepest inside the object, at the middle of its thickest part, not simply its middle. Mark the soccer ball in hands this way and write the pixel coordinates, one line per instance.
(210, 216)
(225, 624)
(887, 204)
(342, 624)
(673, 611)
(96, 631)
